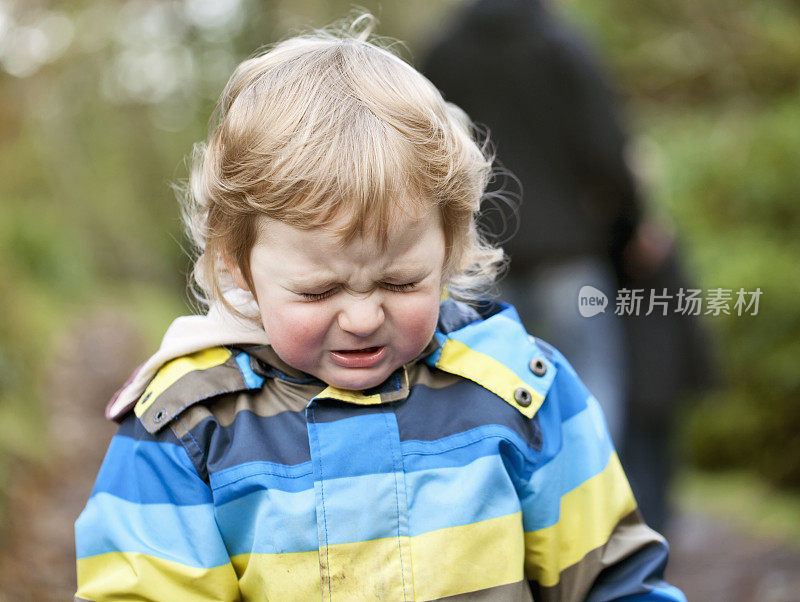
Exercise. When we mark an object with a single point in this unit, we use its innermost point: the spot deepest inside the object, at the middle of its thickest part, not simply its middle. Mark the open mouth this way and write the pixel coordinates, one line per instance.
(358, 358)
(364, 351)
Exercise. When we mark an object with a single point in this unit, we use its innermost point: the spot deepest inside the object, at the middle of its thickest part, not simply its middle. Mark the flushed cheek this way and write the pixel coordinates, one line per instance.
(416, 323)
(296, 337)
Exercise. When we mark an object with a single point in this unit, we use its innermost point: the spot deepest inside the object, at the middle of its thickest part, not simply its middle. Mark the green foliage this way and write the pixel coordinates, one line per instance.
(697, 52)
(90, 142)
(715, 88)
(89, 145)
(729, 181)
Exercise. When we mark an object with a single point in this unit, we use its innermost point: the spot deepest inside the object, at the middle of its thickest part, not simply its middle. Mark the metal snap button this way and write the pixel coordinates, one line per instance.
(159, 416)
(538, 367)
(523, 397)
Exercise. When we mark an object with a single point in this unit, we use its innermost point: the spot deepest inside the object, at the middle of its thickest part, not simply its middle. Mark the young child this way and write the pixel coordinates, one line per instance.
(332, 428)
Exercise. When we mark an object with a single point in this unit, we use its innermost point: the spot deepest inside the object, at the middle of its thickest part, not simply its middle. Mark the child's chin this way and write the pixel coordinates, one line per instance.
(357, 382)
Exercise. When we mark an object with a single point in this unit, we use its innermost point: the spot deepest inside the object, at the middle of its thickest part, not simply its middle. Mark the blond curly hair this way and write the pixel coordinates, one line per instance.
(332, 129)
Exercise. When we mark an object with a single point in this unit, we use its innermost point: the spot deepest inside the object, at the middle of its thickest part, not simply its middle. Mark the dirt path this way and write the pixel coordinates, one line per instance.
(710, 561)
(37, 559)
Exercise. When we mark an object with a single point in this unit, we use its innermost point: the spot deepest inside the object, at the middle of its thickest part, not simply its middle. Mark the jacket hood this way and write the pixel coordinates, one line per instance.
(189, 334)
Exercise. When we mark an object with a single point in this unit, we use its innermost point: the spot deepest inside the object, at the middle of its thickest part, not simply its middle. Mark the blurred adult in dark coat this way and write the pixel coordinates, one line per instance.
(520, 71)
(515, 68)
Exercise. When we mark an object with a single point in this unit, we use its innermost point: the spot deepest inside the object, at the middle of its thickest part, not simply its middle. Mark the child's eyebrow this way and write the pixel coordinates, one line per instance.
(313, 283)
(324, 282)
(409, 274)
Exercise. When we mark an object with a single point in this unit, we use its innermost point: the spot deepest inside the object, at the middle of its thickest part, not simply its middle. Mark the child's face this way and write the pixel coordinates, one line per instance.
(350, 314)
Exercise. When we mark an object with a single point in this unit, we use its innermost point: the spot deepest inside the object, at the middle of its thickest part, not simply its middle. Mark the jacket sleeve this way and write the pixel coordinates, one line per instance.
(584, 537)
(148, 531)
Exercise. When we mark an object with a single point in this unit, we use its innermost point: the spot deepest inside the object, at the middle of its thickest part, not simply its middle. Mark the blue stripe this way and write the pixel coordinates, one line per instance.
(187, 535)
(430, 414)
(376, 494)
(281, 439)
(332, 410)
(443, 496)
(463, 448)
(641, 572)
(503, 338)
(454, 315)
(349, 441)
(567, 397)
(586, 450)
(569, 391)
(245, 479)
(150, 472)
(269, 522)
(251, 379)
(450, 497)
(450, 452)
(272, 521)
(668, 593)
(131, 427)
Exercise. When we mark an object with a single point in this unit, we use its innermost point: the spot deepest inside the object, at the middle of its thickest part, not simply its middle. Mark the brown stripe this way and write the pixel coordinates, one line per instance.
(191, 388)
(400, 393)
(191, 447)
(422, 374)
(278, 396)
(511, 592)
(630, 535)
(274, 397)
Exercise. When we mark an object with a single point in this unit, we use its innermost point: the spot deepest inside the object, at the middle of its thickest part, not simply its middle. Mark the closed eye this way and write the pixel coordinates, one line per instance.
(318, 296)
(400, 288)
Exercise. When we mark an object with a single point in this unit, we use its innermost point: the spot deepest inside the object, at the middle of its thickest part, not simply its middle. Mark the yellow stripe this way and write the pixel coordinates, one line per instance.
(127, 576)
(290, 576)
(361, 399)
(457, 358)
(446, 562)
(351, 396)
(468, 558)
(589, 514)
(367, 570)
(173, 371)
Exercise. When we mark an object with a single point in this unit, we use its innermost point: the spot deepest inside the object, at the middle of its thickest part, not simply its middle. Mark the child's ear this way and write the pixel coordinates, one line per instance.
(236, 273)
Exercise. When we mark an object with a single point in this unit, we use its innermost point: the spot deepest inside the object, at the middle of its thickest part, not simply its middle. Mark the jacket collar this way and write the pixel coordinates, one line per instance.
(486, 344)
(496, 352)
(394, 388)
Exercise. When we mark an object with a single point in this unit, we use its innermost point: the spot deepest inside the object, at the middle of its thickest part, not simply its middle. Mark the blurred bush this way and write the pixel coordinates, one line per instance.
(103, 99)
(714, 88)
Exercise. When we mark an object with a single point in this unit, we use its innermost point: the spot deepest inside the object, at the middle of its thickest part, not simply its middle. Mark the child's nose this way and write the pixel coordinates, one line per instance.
(362, 315)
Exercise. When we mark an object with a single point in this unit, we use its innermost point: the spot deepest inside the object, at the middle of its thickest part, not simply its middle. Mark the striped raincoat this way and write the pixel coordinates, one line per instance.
(480, 471)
